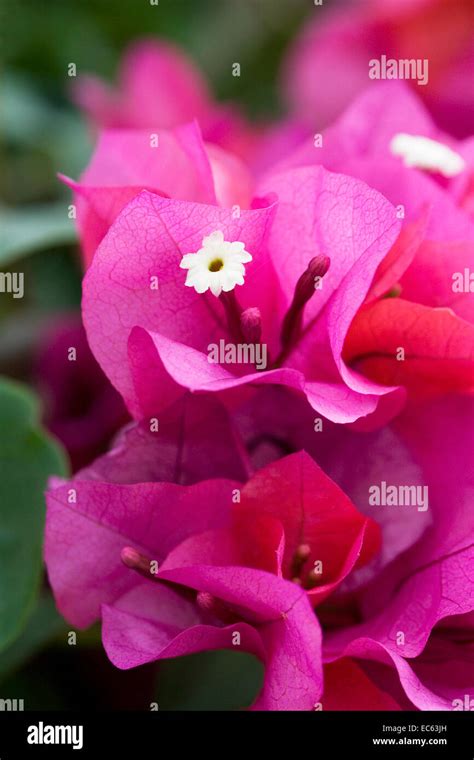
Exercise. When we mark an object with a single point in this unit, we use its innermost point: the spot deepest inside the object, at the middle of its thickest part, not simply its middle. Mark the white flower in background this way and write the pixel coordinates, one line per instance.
(217, 266)
(424, 153)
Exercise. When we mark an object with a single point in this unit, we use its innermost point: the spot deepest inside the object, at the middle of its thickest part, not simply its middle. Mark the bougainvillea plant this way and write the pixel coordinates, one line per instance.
(293, 340)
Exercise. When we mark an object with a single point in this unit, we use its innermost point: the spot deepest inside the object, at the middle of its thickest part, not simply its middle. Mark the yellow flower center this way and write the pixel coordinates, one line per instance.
(216, 265)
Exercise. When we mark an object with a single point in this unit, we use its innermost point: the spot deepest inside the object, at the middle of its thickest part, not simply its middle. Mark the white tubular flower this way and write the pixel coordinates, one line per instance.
(217, 266)
(424, 153)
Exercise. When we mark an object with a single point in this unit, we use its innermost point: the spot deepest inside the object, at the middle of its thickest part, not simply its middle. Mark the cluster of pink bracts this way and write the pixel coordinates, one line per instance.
(237, 510)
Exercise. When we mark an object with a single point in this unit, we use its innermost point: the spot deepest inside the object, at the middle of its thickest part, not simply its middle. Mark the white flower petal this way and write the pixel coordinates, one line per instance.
(216, 288)
(215, 238)
(188, 260)
(232, 255)
(424, 153)
(197, 280)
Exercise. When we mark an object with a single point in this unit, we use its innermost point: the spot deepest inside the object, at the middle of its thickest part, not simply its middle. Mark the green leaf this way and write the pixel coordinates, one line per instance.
(25, 114)
(42, 627)
(29, 120)
(26, 230)
(222, 680)
(28, 456)
(54, 280)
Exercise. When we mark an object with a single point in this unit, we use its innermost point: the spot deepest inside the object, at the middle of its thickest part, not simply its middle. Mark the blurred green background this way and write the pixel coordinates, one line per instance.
(42, 133)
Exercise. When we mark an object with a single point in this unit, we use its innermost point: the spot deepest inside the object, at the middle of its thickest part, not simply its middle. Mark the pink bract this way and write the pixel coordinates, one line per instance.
(358, 144)
(80, 406)
(407, 613)
(160, 88)
(328, 64)
(154, 343)
(249, 485)
(224, 568)
(171, 163)
(428, 591)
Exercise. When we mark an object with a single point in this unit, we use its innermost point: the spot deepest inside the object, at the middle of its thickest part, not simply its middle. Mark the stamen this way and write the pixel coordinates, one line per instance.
(135, 561)
(210, 604)
(205, 601)
(251, 325)
(304, 290)
(394, 291)
(313, 579)
(303, 551)
(299, 560)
